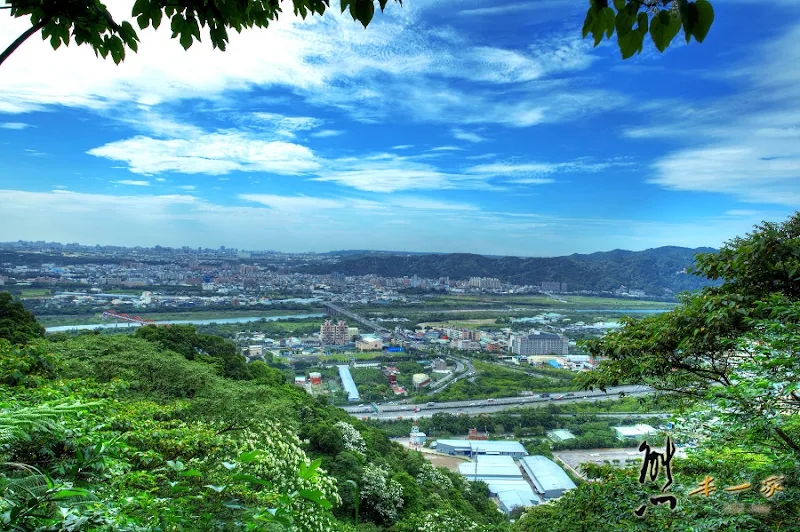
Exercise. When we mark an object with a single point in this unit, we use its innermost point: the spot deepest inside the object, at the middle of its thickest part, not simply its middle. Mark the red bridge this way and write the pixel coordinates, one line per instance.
(124, 317)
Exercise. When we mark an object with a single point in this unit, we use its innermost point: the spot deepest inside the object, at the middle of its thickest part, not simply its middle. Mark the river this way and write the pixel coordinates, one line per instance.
(93, 326)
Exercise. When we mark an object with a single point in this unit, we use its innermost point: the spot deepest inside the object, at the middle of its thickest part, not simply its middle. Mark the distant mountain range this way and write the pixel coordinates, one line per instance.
(653, 270)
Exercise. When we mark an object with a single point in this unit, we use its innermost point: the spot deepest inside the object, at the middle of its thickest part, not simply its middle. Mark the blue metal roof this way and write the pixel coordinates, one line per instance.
(348, 384)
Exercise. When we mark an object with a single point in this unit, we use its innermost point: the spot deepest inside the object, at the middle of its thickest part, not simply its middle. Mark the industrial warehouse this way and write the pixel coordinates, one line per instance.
(513, 477)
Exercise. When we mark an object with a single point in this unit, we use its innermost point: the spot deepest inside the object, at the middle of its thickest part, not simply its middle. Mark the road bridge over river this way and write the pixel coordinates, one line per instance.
(336, 310)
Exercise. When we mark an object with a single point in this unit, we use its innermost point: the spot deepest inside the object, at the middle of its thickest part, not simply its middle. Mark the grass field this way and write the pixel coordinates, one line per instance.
(34, 292)
(467, 324)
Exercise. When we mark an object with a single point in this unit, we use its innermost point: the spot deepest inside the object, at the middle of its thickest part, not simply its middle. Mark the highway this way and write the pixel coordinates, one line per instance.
(484, 406)
(463, 370)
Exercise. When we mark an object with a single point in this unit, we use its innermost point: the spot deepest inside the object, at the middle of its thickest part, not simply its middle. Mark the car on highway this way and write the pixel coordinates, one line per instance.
(560, 397)
(472, 404)
(545, 395)
(431, 404)
(489, 400)
(570, 395)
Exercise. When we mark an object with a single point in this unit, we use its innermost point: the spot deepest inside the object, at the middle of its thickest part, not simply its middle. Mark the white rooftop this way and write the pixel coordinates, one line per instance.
(486, 467)
(636, 430)
(546, 474)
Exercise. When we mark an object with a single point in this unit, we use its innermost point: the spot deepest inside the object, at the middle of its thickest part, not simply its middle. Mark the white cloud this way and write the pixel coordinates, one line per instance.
(402, 146)
(132, 183)
(532, 181)
(286, 126)
(292, 203)
(390, 173)
(468, 136)
(211, 153)
(447, 148)
(187, 187)
(323, 133)
(497, 10)
(14, 125)
(745, 145)
(515, 169)
(391, 69)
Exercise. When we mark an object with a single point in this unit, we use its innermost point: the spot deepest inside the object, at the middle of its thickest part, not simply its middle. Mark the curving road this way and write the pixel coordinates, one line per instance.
(484, 406)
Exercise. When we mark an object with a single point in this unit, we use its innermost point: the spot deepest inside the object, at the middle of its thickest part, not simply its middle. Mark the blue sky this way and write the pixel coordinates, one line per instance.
(452, 126)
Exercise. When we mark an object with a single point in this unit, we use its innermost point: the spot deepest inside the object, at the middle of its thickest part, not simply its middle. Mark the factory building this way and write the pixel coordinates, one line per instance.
(548, 478)
(504, 479)
(348, 384)
(513, 449)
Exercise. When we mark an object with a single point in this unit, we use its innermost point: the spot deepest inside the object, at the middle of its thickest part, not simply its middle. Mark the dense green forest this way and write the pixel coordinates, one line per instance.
(652, 270)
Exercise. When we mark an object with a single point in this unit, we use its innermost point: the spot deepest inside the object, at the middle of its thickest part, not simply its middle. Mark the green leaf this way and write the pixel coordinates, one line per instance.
(689, 17)
(662, 34)
(382, 4)
(630, 44)
(624, 22)
(191, 473)
(364, 11)
(588, 22)
(642, 19)
(218, 489)
(230, 465)
(316, 496)
(619, 4)
(705, 17)
(251, 456)
(140, 7)
(608, 17)
(155, 16)
(68, 492)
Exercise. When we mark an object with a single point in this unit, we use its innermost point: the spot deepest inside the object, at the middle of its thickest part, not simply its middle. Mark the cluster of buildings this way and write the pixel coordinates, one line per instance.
(514, 477)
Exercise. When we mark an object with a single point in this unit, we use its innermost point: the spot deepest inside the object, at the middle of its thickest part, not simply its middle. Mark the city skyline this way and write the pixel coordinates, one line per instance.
(491, 128)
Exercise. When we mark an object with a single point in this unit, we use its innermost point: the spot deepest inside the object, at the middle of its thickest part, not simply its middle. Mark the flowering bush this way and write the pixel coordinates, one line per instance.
(351, 438)
(382, 494)
(443, 520)
(279, 463)
(428, 473)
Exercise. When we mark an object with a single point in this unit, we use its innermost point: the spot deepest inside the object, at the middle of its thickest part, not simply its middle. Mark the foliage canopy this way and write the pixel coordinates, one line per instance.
(91, 23)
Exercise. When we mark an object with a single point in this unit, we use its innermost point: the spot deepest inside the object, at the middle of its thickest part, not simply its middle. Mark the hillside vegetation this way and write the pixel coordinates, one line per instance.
(652, 270)
(167, 431)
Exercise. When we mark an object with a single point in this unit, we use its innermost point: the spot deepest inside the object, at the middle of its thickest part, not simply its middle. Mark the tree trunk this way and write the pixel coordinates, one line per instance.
(787, 440)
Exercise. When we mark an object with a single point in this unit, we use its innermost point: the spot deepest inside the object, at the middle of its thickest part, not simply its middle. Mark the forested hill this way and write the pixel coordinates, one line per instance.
(652, 270)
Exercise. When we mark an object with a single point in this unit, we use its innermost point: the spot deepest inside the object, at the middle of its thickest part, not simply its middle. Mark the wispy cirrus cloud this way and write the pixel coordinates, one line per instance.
(15, 125)
(132, 183)
(468, 136)
(529, 173)
(746, 145)
(325, 133)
